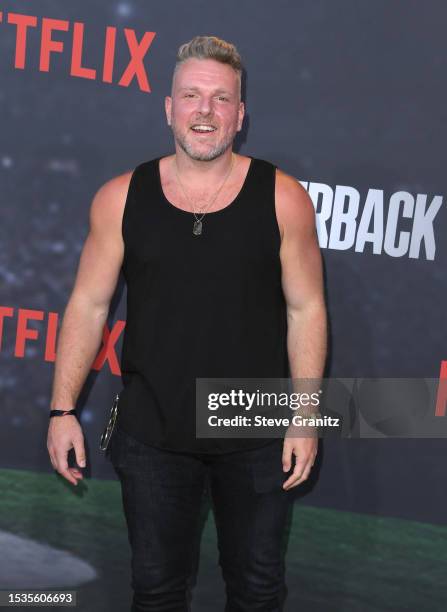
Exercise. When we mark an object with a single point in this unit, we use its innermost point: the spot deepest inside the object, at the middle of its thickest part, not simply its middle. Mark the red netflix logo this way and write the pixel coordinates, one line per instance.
(48, 46)
(441, 398)
(25, 333)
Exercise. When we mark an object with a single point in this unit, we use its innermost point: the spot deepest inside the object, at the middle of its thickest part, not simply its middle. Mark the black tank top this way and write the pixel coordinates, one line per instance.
(197, 306)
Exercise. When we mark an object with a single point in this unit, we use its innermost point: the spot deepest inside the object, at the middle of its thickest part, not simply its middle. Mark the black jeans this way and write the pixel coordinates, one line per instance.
(162, 492)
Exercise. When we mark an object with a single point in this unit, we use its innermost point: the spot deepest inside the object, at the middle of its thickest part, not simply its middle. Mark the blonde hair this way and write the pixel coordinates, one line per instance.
(210, 47)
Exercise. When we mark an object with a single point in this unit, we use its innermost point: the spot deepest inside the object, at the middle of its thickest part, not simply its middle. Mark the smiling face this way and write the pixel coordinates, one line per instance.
(204, 111)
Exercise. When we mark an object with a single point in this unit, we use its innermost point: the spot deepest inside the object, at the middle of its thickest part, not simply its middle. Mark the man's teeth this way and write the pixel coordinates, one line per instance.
(203, 128)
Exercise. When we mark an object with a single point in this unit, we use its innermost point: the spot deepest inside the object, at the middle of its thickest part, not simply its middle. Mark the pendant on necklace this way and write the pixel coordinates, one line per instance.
(197, 228)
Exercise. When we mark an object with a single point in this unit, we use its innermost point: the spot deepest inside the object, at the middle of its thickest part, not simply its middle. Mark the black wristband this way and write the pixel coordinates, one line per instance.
(62, 412)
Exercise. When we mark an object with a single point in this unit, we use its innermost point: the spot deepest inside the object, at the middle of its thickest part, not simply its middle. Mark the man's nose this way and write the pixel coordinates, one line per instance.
(205, 106)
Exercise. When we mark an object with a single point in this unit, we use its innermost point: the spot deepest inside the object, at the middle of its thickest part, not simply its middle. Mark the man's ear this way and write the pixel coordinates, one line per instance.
(168, 106)
(241, 116)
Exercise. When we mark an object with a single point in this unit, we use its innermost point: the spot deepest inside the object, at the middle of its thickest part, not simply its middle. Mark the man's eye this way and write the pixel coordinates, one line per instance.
(223, 98)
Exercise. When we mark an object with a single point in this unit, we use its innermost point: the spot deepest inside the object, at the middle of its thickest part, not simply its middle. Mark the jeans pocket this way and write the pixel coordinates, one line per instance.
(267, 468)
(118, 447)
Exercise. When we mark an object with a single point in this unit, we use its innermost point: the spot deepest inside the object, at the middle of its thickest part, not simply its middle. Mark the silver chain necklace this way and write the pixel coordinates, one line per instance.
(198, 226)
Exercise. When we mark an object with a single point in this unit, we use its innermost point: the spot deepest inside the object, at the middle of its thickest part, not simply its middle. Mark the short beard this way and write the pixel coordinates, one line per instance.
(205, 156)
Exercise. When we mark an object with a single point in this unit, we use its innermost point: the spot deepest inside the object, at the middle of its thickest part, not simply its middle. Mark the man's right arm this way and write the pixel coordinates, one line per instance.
(84, 318)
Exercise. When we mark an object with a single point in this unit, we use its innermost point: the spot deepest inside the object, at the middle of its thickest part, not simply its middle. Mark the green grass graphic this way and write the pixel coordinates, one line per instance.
(336, 561)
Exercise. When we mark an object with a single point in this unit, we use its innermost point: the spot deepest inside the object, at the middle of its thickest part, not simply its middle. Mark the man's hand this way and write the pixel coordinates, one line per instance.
(305, 450)
(65, 433)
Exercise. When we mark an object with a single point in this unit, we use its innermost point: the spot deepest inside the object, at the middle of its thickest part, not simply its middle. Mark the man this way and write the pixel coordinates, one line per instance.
(224, 279)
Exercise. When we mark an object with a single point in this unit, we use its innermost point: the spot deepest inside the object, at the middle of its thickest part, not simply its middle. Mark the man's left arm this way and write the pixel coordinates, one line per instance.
(302, 283)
